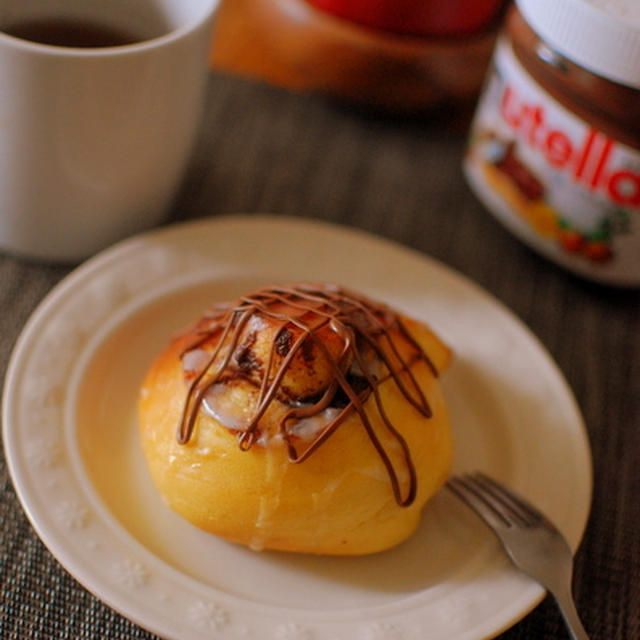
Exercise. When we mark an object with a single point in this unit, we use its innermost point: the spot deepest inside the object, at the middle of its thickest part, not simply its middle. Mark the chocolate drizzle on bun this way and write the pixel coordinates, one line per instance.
(319, 350)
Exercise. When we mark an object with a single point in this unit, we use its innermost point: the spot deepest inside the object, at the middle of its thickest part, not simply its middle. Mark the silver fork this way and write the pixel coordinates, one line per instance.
(530, 539)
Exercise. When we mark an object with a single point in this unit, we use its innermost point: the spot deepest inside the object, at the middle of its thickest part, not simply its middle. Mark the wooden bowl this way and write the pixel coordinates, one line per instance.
(293, 44)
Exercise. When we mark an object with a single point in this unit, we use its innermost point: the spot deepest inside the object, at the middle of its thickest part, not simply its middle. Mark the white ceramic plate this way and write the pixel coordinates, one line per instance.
(71, 442)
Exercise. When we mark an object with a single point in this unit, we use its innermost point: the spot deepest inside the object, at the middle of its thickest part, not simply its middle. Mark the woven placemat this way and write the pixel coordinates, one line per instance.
(262, 149)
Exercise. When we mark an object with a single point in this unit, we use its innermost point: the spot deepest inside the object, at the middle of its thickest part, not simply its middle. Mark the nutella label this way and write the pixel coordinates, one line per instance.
(561, 185)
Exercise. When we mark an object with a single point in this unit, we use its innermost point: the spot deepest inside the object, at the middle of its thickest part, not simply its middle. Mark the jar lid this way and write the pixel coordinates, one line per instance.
(603, 36)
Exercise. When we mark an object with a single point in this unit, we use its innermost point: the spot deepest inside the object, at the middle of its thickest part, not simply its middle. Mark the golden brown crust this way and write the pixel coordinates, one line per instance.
(339, 500)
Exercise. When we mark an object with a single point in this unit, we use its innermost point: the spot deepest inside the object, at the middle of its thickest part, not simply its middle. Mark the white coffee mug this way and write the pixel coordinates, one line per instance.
(94, 140)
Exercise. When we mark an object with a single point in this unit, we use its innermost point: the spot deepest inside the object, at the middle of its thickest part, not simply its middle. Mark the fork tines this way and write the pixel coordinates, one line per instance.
(501, 507)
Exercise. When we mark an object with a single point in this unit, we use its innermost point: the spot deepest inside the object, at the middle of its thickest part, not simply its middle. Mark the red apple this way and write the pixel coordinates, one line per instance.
(416, 17)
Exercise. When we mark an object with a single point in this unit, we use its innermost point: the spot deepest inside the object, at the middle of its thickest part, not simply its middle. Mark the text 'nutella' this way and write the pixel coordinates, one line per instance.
(554, 149)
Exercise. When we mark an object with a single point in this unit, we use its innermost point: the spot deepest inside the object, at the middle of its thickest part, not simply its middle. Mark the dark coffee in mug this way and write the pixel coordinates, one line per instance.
(63, 32)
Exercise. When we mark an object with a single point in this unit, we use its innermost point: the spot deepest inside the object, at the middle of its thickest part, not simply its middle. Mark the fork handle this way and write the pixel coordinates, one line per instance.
(568, 610)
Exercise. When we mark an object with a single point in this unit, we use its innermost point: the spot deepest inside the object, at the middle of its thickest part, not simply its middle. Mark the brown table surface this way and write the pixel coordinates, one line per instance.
(263, 149)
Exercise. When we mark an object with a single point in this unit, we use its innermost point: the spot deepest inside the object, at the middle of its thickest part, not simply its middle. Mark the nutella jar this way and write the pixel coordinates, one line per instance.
(554, 148)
